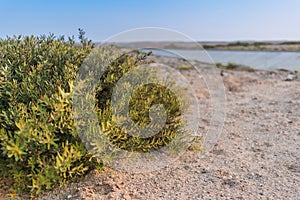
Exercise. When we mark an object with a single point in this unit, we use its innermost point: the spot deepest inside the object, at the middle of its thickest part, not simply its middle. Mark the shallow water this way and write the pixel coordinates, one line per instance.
(256, 59)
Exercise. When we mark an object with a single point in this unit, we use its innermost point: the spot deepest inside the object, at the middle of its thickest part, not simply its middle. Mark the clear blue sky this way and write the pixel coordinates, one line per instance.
(200, 19)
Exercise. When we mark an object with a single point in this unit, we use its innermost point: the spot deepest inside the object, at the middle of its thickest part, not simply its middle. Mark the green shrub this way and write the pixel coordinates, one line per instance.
(219, 65)
(140, 103)
(206, 46)
(39, 144)
(290, 43)
(238, 43)
(233, 66)
(185, 67)
(261, 43)
(39, 147)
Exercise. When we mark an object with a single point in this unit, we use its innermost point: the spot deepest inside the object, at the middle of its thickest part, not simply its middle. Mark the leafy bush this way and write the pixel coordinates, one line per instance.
(206, 46)
(261, 43)
(233, 66)
(39, 147)
(290, 43)
(140, 103)
(185, 67)
(238, 43)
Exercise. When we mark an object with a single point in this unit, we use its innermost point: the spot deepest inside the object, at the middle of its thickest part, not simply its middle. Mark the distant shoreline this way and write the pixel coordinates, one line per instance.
(275, 46)
(245, 50)
(255, 59)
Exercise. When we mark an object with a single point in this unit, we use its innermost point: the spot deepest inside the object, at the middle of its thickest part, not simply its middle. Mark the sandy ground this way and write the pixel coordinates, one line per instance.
(256, 157)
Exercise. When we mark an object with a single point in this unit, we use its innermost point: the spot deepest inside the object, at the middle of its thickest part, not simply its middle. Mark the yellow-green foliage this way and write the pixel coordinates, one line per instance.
(141, 100)
(39, 147)
(233, 66)
(185, 67)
